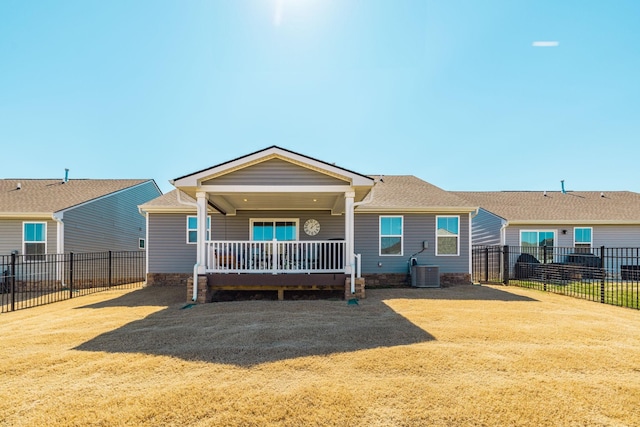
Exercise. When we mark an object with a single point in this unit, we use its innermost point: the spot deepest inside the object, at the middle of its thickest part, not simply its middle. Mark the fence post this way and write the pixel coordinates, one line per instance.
(602, 274)
(505, 264)
(486, 264)
(13, 281)
(544, 261)
(70, 274)
(110, 265)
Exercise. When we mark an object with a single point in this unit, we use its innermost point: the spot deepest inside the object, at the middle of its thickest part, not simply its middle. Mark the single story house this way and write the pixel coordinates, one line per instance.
(574, 219)
(276, 219)
(49, 216)
(584, 230)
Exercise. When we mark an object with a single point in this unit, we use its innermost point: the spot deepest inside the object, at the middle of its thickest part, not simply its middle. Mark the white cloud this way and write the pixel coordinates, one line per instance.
(277, 17)
(545, 44)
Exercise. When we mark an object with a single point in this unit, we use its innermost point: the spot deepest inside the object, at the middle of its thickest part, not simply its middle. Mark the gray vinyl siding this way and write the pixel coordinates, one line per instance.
(237, 227)
(417, 229)
(275, 172)
(612, 236)
(11, 235)
(167, 248)
(110, 223)
(486, 228)
(169, 253)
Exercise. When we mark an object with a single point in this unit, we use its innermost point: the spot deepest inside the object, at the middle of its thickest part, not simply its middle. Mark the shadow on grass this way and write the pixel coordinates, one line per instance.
(146, 297)
(248, 333)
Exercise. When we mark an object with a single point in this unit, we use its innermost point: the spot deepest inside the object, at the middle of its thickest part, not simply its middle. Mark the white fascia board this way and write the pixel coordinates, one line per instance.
(186, 210)
(436, 210)
(274, 152)
(575, 222)
(26, 215)
(235, 189)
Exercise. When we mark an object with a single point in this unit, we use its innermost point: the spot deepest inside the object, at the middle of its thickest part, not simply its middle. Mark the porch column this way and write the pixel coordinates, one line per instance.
(201, 201)
(348, 230)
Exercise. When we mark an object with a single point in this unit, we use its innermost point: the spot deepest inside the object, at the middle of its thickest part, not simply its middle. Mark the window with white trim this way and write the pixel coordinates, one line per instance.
(264, 229)
(447, 235)
(34, 240)
(583, 239)
(192, 229)
(391, 235)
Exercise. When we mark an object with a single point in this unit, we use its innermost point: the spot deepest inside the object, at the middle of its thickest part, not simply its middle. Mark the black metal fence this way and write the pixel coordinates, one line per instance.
(606, 275)
(29, 281)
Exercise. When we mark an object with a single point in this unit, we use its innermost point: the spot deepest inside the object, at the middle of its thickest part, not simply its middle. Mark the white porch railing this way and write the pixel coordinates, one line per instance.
(276, 257)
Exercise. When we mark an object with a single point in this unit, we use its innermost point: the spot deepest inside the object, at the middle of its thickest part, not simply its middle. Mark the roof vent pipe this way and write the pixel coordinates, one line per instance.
(19, 186)
(562, 184)
(66, 175)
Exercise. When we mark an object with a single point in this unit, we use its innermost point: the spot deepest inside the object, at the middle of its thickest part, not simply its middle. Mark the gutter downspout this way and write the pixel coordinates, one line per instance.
(352, 255)
(146, 240)
(57, 217)
(194, 296)
(503, 232)
(471, 216)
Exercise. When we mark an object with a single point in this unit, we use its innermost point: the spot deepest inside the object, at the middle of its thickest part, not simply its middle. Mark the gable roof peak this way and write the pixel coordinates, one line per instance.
(274, 151)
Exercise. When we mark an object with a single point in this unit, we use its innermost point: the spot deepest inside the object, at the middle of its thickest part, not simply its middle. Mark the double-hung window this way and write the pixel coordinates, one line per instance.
(192, 229)
(583, 239)
(34, 238)
(391, 235)
(447, 235)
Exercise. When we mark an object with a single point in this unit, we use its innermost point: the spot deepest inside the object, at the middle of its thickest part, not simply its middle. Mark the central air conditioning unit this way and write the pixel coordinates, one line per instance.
(425, 276)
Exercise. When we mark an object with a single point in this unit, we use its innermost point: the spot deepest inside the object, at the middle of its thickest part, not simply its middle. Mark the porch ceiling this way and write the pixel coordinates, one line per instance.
(279, 201)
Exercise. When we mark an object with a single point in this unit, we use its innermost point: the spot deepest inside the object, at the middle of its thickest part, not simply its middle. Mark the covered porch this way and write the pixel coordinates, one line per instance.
(275, 188)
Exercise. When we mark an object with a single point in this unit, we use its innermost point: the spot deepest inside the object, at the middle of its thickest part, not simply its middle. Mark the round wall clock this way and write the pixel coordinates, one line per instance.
(311, 227)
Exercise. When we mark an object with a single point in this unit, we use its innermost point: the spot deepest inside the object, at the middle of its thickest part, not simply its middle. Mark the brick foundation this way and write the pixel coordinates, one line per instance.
(204, 293)
(387, 280)
(359, 288)
(168, 279)
(401, 280)
(453, 279)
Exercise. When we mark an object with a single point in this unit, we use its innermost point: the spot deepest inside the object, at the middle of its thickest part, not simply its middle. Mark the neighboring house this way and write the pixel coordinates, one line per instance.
(276, 219)
(571, 219)
(48, 216)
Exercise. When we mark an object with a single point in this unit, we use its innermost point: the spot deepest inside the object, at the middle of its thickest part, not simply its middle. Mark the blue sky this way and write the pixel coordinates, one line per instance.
(452, 91)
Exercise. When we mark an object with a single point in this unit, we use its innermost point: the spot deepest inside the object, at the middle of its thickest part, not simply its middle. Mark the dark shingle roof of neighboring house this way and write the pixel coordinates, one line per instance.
(404, 193)
(572, 206)
(45, 196)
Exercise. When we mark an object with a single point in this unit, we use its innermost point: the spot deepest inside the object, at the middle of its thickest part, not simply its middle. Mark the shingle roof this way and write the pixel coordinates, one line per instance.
(170, 201)
(407, 192)
(395, 193)
(572, 206)
(51, 195)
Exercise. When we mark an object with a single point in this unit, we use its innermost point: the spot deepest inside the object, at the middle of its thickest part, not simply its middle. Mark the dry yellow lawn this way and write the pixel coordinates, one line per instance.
(467, 355)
